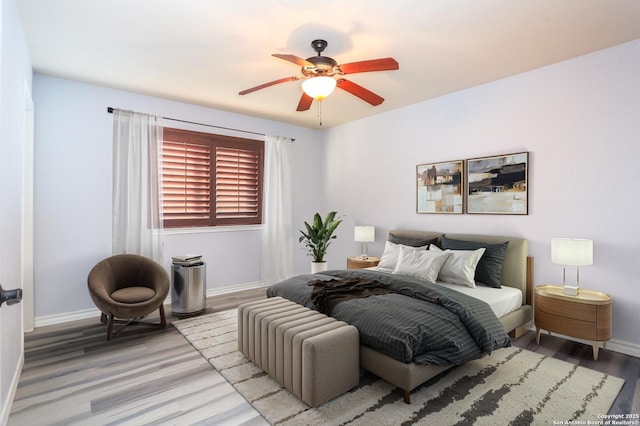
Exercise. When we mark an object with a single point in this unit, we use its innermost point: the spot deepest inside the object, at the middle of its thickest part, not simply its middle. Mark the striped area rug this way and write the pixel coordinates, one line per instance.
(511, 387)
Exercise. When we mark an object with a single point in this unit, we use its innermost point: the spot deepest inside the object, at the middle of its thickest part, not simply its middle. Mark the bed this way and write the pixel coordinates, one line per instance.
(405, 339)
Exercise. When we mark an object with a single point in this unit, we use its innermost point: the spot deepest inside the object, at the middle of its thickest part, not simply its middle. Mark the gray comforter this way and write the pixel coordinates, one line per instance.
(420, 322)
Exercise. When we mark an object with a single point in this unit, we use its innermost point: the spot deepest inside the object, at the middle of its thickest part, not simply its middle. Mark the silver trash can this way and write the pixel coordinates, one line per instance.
(188, 289)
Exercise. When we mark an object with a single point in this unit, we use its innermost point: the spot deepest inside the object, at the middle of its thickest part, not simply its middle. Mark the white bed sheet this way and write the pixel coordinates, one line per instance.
(501, 300)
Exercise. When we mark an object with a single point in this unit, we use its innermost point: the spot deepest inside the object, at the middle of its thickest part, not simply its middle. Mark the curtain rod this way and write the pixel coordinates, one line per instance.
(111, 109)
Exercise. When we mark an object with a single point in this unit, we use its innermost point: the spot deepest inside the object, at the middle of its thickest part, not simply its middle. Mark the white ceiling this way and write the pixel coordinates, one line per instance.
(205, 51)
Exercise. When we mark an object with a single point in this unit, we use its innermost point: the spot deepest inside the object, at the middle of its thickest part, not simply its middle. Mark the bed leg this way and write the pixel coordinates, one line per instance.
(407, 396)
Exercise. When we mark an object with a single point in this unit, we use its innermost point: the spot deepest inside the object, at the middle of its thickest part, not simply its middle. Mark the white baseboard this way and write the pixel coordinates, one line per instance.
(624, 347)
(13, 387)
(234, 288)
(66, 317)
(619, 346)
(94, 312)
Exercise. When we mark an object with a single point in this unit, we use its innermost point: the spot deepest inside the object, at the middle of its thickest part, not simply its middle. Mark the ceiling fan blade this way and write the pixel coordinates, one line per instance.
(383, 64)
(305, 102)
(359, 91)
(271, 83)
(293, 58)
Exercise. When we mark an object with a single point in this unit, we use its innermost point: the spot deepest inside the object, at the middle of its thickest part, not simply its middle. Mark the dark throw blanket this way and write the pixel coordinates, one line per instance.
(327, 294)
(416, 322)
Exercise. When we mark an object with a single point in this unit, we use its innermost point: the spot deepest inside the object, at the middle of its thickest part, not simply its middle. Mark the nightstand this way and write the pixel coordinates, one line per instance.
(585, 316)
(357, 262)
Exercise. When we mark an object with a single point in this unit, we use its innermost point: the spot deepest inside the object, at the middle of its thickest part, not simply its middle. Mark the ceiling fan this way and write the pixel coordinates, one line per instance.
(319, 72)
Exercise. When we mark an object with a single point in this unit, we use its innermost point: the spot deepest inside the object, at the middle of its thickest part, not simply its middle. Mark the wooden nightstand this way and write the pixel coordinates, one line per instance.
(357, 262)
(585, 316)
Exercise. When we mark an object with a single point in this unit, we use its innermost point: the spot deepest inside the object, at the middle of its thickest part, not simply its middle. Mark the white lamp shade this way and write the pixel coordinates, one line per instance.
(572, 251)
(364, 234)
(319, 87)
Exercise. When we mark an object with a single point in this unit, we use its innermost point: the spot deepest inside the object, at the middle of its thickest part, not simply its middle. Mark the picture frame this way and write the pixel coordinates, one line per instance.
(440, 187)
(498, 184)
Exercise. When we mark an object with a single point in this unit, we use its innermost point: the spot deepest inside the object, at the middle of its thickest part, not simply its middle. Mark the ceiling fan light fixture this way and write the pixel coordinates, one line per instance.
(319, 87)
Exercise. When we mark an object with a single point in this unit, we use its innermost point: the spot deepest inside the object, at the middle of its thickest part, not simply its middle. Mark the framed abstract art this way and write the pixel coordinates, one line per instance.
(498, 184)
(440, 187)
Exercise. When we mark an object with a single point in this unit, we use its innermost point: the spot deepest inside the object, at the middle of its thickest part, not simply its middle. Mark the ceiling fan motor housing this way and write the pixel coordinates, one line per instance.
(322, 65)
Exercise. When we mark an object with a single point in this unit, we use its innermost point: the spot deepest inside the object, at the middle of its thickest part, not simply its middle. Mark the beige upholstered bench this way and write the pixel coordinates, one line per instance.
(314, 356)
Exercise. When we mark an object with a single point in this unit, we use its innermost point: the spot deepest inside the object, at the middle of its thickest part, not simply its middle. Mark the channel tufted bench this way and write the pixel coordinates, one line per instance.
(314, 356)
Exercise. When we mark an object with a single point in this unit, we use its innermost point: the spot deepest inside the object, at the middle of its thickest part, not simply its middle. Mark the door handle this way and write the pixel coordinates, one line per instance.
(10, 296)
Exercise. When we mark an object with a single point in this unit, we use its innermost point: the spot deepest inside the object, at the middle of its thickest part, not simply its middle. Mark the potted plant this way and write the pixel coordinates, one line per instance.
(317, 238)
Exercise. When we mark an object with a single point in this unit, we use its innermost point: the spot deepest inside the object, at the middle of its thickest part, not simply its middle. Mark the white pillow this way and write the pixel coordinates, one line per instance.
(390, 254)
(460, 266)
(421, 264)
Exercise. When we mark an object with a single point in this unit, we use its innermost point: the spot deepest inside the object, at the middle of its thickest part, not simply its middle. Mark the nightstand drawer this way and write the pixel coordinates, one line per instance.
(563, 325)
(563, 308)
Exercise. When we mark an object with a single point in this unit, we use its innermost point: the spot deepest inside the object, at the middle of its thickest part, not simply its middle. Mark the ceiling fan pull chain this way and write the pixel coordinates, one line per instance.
(320, 112)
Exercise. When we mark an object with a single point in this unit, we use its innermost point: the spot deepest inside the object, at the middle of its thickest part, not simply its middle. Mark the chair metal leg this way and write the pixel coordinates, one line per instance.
(111, 321)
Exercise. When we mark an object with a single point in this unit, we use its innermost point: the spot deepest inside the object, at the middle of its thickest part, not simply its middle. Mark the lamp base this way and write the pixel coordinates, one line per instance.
(570, 290)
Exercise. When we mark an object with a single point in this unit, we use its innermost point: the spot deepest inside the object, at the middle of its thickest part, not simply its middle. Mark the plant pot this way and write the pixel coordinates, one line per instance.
(318, 267)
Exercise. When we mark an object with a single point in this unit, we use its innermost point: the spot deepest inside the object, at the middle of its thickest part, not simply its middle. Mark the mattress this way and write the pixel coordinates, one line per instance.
(501, 300)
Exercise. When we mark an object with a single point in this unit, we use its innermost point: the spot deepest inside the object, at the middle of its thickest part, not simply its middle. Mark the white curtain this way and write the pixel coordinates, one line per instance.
(137, 186)
(277, 228)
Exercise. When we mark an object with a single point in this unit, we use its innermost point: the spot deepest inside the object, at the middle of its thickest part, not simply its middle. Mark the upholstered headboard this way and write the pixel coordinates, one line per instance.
(515, 268)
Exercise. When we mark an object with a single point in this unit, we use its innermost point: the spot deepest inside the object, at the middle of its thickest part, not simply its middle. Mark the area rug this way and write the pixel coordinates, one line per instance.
(512, 386)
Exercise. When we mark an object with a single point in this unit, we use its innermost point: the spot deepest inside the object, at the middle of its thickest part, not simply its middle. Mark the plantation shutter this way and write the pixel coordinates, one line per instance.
(238, 188)
(186, 181)
(211, 180)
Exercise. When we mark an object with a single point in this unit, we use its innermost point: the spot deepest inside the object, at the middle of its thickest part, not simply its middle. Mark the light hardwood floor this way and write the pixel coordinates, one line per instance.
(73, 375)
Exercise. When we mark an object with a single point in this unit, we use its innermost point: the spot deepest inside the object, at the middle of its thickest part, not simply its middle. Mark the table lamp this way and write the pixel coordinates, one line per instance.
(364, 235)
(571, 252)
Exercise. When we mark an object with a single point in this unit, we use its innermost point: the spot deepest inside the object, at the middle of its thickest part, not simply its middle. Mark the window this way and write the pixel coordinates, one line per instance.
(211, 180)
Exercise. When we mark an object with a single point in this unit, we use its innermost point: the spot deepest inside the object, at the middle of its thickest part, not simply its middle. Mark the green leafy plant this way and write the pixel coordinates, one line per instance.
(318, 235)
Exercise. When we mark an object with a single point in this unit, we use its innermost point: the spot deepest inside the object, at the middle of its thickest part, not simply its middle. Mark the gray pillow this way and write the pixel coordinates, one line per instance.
(489, 269)
(412, 242)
